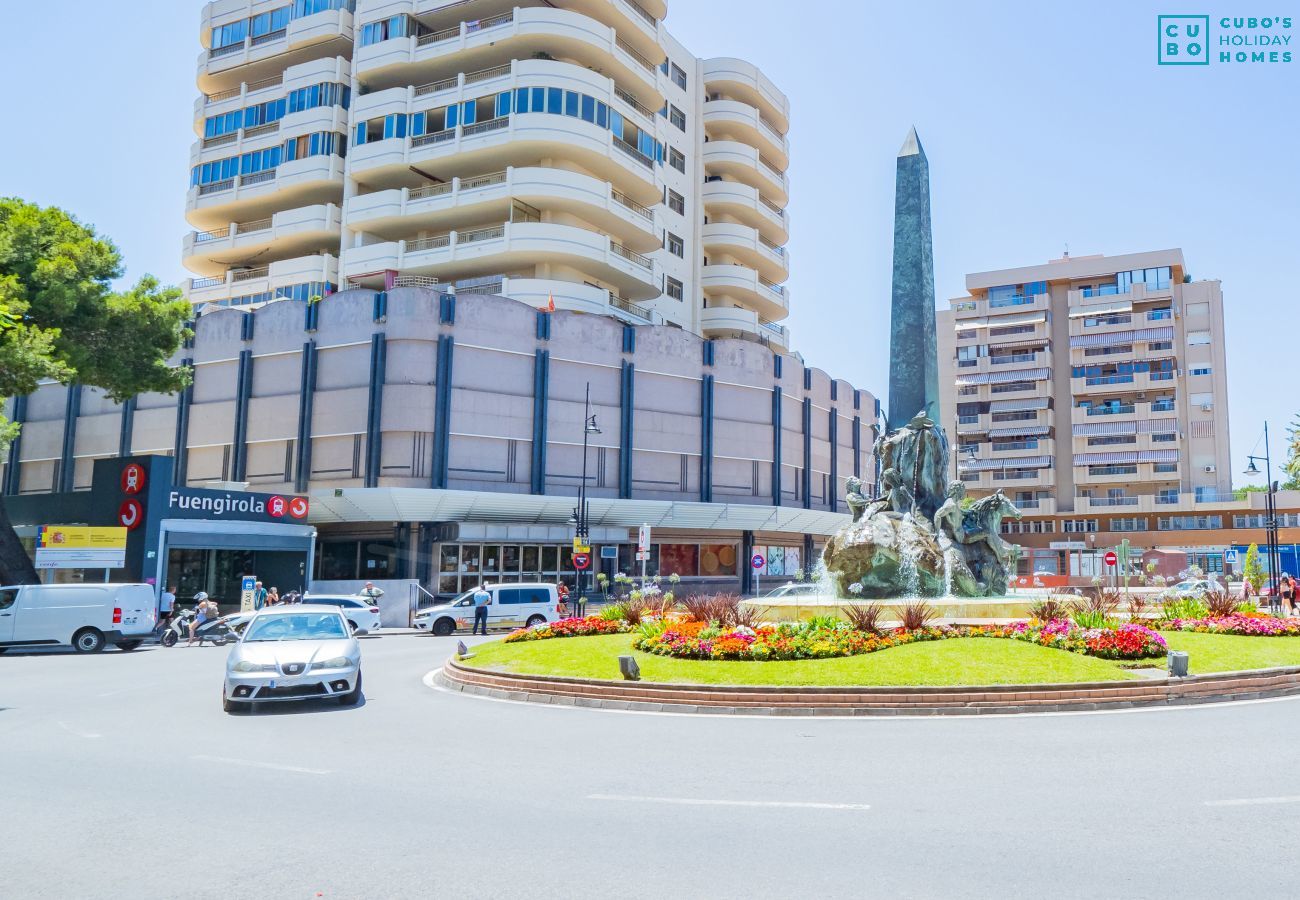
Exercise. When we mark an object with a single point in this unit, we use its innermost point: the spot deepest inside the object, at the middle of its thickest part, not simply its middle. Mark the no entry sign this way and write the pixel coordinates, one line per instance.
(581, 560)
(757, 561)
(1111, 558)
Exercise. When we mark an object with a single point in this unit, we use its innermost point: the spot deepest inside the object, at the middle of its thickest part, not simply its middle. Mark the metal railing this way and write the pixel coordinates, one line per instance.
(250, 227)
(641, 11)
(1112, 501)
(1011, 300)
(217, 52)
(1108, 379)
(220, 140)
(1121, 409)
(1012, 358)
(643, 211)
(482, 286)
(631, 101)
(429, 190)
(489, 22)
(202, 237)
(258, 130)
(437, 37)
(257, 178)
(431, 243)
(634, 153)
(415, 281)
(434, 87)
(772, 206)
(1014, 475)
(772, 286)
(630, 308)
(771, 128)
(249, 274)
(269, 37)
(772, 245)
(254, 86)
(222, 95)
(771, 170)
(483, 127)
(478, 181)
(198, 283)
(480, 234)
(216, 187)
(433, 137)
(631, 255)
(630, 51)
(772, 327)
(487, 74)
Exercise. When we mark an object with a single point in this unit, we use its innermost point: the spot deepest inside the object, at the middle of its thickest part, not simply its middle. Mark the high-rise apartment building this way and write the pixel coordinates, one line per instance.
(565, 150)
(1090, 384)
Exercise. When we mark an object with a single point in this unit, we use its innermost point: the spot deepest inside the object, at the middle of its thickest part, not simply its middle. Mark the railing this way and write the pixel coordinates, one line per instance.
(254, 86)
(478, 181)
(483, 127)
(1108, 379)
(429, 190)
(1105, 290)
(434, 87)
(968, 420)
(258, 130)
(772, 245)
(482, 286)
(1108, 351)
(250, 227)
(1012, 358)
(1004, 446)
(771, 170)
(1113, 470)
(631, 255)
(772, 206)
(1166, 499)
(772, 286)
(202, 237)
(437, 37)
(480, 234)
(415, 281)
(1012, 300)
(772, 327)
(1027, 504)
(1095, 321)
(220, 140)
(634, 153)
(216, 187)
(1158, 406)
(223, 95)
(269, 37)
(432, 243)
(640, 11)
(1214, 497)
(487, 74)
(775, 132)
(249, 274)
(198, 283)
(1111, 410)
(433, 137)
(1112, 501)
(627, 48)
(257, 178)
(216, 52)
(643, 211)
(1014, 475)
(489, 22)
(631, 101)
(1156, 315)
(630, 308)
(1160, 376)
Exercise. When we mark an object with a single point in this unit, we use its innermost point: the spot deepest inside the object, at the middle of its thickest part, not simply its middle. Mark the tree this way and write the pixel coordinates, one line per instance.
(1253, 571)
(1292, 466)
(61, 319)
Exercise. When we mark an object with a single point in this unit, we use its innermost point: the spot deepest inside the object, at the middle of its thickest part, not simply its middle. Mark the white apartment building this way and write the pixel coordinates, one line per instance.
(565, 150)
(1089, 384)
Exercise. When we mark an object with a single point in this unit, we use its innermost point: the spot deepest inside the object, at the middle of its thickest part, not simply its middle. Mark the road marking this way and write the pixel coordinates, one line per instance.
(1253, 801)
(699, 801)
(78, 732)
(258, 764)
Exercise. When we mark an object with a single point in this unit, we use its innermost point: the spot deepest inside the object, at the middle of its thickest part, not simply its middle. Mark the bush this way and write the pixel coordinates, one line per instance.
(1137, 607)
(1096, 610)
(915, 615)
(613, 613)
(865, 618)
(1219, 604)
(1048, 609)
(721, 608)
(567, 628)
(1174, 608)
(819, 623)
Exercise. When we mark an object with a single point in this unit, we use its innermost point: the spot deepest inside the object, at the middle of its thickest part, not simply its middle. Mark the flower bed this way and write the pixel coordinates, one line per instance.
(1244, 625)
(573, 627)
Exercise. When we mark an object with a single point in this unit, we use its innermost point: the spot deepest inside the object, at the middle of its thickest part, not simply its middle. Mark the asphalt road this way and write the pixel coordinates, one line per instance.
(123, 778)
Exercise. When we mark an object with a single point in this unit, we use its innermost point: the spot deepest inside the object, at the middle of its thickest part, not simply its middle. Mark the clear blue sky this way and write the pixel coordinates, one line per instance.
(1045, 124)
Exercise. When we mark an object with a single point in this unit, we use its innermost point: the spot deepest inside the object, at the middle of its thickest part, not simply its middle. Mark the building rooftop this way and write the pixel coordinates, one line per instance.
(1068, 268)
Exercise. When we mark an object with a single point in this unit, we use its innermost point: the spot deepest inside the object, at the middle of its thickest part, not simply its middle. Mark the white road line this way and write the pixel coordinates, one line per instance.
(699, 801)
(78, 732)
(258, 764)
(1253, 801)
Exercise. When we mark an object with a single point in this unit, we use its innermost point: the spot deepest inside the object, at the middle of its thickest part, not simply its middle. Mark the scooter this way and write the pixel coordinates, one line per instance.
(214, 630)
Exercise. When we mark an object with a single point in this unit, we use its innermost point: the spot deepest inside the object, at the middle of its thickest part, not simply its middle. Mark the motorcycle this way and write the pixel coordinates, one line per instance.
(218, 631)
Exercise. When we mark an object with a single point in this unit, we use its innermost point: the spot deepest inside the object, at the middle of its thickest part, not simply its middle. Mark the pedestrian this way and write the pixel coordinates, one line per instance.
(562, 590)
(482, 599)
(204, 611)
(166, 603)
(1288, 594)
(259, 596)
(371, 593)
(273, 597)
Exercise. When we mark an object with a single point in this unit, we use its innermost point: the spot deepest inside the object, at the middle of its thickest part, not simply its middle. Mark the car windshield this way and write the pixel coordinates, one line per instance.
(297, 627)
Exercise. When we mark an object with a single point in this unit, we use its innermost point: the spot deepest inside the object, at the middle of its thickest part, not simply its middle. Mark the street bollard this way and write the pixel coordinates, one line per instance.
(631, 671)
(1178, 665)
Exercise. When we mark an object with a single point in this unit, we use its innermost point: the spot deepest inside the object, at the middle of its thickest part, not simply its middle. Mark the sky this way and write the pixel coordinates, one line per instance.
(1046, 125)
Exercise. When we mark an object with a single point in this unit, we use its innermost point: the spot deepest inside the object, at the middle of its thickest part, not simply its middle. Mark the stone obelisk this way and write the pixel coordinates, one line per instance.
(913, 360)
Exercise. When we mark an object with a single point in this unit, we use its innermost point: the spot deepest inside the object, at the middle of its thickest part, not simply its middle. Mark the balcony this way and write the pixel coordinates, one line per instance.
(636, 20)
(1092, 385)
(505, 247)
(725, 284)
(745, 164)
(272, 134)
(395, 212)
(1004, 361)
(733, 120)
(321, 35)
(298, 183)
(974, 307)
(744, 81)
(262, 282)
(730, 242)
(1037, 507)
(745, 203)
(738, 322)
(287, 234)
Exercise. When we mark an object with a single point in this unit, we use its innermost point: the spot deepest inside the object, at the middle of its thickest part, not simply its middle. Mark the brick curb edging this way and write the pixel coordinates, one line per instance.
(645, 696)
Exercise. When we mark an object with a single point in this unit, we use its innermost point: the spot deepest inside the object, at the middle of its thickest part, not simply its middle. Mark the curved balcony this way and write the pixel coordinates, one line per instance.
(262, 282)
(747, 247)
(322, 34)
(744, 202)
(246, 140)
(723, 284)
(744, 163)
(506, 247)
(438, 207)
(744, 81)
(538, 292)
(728, 120)
(302, 182)
(637, 20)
(287, 234)
(522, 34)
(738, 322)
(250, 93)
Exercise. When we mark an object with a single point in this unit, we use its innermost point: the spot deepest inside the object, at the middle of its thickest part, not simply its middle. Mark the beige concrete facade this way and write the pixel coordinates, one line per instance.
(546, 150)
(1089, 385)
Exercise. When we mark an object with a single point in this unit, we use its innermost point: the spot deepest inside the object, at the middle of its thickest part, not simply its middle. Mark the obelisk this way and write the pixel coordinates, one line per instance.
(913, 359)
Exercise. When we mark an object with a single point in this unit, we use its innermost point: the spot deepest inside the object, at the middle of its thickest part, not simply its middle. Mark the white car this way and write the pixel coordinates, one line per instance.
(362, 613)
(792, 590)
(512, 606)
(86, 616)
(293, 652)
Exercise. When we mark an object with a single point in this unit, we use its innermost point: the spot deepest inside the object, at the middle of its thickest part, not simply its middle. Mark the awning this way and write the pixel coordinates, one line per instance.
(1022, 431)
(1004, 377)
(1016, 405)
(999, 321)
(1165, 333)
(1088, 429)
(1100, 310)
(1014, 462)
(1125, 456)
(1157, 426)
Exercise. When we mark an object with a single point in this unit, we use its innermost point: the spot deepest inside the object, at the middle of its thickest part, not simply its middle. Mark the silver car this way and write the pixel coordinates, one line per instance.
(298, 652)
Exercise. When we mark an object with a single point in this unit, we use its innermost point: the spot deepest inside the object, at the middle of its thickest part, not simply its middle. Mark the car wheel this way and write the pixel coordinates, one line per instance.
(127, 646)
(228, 705)
(534, 621)
(88, 640)
(168, 639)
(443, 627)
(352, 696)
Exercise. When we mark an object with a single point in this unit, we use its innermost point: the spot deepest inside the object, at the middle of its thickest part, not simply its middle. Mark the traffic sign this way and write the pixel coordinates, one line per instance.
(581, 560)
(580, 546)
(133, 478)
(758, 561)
(130, 514)
(642, 555)
(1111, 558)
(643, 539)
(1230, 556)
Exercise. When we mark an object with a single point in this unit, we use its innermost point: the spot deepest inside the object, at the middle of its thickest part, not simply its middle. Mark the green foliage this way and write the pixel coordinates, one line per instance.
(1048, 609)
(866, 617)
(1292, 465)
(816, 622)
(615, 612)
(1097, 610)
(915, 615)
(1253, 571)
(1182, 608)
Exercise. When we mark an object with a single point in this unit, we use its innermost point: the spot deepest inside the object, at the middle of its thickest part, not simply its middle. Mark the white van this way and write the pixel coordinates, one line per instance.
(513, 606)
(85, 616)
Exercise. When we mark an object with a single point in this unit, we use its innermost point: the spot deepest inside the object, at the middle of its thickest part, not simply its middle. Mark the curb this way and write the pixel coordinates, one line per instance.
(762, 700)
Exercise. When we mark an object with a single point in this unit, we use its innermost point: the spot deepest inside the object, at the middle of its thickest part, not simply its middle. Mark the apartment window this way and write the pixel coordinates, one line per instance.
(1199, 370)
(225, 35)
(1078, 526)
(1156, 315)
(1132, 524)
(1165, 468)
(968, 356)
(677, 117)
(676, 159)
(1204, 400)
(1112, 439)
(673, 288)
(1097, 321)
(966, 335)
(1007, 330)
(968, 390)
(1031, 444)
(385, 29)
(1189, 523)
(1284, 520)
(1012, 387)
(678, 75)
(1197, 338)
(676, 202)
(1164, 437)
(675, 244)
(1020, 415)
(1112, 470)
(1108, 350)
(1160, 345)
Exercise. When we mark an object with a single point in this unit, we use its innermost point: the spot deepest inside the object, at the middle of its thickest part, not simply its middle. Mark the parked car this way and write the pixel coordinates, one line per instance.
(512, 606)
(361, 612)
(87, 617)
(792, 590)
(296, 652)
(1192, 587)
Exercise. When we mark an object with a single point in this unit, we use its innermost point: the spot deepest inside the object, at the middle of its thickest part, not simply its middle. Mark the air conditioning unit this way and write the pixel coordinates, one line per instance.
(1209, 468)
(1141, 395)
(1206, 407)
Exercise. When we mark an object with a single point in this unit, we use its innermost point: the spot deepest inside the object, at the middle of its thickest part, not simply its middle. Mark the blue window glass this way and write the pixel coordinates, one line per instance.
(554, 101)
(395, 126)
(468, 112)
(588, 108)
(602, 115)
(417, 123)
(225, 35)
(521, 100)
(361, 134)
(571, 103)
(453, 115)
(503, 104)
(645, 143)
(539, 100)
(616, 123)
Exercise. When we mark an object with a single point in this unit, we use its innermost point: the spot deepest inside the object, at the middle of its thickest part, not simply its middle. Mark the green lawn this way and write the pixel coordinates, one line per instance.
(958, 661)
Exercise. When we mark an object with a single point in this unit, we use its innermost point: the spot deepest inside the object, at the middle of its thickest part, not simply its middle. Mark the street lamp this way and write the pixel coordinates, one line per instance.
(581, 515)
(1270, 511)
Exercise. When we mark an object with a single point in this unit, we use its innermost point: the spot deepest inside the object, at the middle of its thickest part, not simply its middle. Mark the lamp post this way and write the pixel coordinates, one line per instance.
(1270, 522)
(581, 514)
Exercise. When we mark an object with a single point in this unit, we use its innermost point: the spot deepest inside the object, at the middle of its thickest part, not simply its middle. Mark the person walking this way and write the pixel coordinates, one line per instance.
(259, 596)
(371, 593)
(1288, 590)
(482, 599)
(166, 603)
(562, 591)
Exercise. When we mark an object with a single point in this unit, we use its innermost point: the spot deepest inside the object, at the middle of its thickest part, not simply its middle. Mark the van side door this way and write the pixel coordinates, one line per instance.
(504, 611)
(8, 613)
(537, 601)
